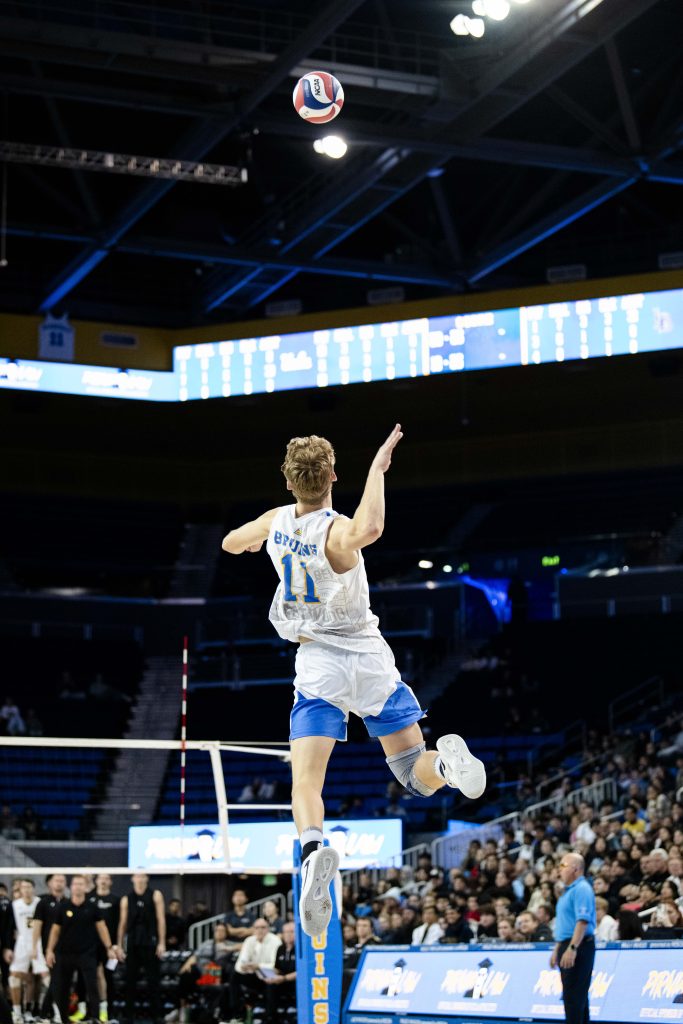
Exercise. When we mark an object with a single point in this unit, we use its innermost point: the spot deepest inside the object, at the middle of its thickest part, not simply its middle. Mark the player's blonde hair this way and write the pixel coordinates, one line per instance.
(308, 467)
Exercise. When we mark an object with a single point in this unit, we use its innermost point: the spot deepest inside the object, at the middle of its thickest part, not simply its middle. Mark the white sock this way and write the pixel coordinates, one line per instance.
(311, 835)
(103, 1006)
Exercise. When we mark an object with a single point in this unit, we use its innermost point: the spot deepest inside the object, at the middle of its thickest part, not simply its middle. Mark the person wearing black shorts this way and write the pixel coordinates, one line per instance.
(44, 917)
(142, 923)
(72, 946)
(108, 905)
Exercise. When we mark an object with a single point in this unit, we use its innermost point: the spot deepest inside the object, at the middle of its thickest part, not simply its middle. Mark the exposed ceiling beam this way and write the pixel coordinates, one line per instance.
(196, 143)
(623, 96)
(546, 227)
(205, 252)
(575, 29)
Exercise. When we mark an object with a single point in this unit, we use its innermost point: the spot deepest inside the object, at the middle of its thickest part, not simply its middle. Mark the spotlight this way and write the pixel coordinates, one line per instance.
(478, 8)
(447, 568)
(332, 146)
(424, 563)
(497, 10)
(476, 27)
(459, 25)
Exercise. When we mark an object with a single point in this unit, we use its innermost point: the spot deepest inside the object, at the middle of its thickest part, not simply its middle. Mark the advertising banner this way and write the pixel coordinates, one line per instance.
(261, 847)
(631, 983)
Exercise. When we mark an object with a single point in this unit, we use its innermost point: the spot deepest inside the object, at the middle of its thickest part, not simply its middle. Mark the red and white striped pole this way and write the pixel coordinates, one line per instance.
(183, 743)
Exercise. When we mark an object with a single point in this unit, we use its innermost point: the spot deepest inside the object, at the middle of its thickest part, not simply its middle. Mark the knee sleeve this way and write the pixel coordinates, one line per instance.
(403, 767)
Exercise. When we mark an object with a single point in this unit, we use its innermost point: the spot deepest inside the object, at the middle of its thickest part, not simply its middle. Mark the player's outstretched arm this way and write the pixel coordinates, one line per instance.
(367, 524)
(251, 536)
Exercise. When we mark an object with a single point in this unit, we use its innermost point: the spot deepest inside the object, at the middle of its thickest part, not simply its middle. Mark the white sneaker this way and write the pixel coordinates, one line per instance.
(315, 905)
(463, 771)
(172, 1016)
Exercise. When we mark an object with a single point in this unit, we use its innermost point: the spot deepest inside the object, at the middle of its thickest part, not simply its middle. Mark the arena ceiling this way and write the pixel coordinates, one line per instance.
(473, 164)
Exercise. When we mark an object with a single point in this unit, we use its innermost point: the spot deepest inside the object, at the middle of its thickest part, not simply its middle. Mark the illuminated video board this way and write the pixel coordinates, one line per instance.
(525, 335)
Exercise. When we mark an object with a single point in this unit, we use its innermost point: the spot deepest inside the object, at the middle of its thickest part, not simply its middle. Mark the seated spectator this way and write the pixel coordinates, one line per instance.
(258, 950)
(176, 929)
(210, 965)
(199, 912)
(30, 824)
(239, 920)
(488, 923)
(272, 917)
(9, 826)
(457, 929)
(365, 936)
(633, 823)
(280, 990)
(506, 930)
(629, 926)
(531, 930)
(666, 922)
(545, 915)
(11, 722)
(607, 929)
(429, 932)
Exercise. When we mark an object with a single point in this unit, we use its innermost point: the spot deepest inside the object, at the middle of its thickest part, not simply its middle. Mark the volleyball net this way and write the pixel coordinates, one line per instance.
(116, 805)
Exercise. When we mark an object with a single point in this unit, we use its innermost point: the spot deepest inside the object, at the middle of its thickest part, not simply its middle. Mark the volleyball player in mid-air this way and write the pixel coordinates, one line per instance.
(343, 663)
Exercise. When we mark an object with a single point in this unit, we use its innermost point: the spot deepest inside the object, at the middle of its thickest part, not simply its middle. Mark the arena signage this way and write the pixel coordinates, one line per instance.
(632, 982)
(420, 347)
(264, 847)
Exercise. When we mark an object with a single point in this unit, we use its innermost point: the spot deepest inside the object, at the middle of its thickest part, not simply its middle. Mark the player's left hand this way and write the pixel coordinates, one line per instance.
(160, 950)
(568, 959)
(383, 457)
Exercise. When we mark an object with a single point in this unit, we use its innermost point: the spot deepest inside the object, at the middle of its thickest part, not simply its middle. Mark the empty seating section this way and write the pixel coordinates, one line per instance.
(59, 785)
(104, 547)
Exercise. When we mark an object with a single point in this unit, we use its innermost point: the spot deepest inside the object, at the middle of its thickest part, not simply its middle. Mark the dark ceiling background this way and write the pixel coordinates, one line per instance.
(472, 164)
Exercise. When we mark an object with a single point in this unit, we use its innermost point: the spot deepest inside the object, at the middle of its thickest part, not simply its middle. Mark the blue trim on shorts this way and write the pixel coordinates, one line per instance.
(313, 716)
(401, 710)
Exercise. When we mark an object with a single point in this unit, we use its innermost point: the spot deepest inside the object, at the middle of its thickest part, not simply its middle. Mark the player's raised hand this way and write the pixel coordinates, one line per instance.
(382, 459)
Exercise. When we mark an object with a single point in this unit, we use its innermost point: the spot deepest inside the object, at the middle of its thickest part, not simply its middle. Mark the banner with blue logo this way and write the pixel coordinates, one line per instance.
(631, 983)
(265, 847)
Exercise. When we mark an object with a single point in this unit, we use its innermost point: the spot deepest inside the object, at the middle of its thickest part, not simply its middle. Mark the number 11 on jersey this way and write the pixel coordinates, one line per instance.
(292, 587)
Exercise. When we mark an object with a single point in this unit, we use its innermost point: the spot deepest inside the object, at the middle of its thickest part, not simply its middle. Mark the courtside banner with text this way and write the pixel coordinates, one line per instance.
(631, 982)
(263, 846)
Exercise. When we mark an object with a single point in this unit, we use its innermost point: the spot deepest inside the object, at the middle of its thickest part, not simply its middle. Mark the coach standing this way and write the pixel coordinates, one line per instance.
(75, 935)
(574, 931)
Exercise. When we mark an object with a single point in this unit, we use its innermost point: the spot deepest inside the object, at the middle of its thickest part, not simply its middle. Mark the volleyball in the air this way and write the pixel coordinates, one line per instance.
(318, 97)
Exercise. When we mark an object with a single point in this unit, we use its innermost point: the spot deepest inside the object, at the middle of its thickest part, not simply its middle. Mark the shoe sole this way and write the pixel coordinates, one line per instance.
(315, 905)
(455, 753)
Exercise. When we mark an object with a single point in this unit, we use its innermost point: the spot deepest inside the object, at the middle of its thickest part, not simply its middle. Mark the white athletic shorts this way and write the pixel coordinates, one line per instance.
(22, 961)
(332, 682)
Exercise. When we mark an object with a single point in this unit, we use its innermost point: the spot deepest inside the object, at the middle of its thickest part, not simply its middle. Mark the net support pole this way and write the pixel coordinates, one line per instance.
(183, 741)
(319, 959)
(221, 799)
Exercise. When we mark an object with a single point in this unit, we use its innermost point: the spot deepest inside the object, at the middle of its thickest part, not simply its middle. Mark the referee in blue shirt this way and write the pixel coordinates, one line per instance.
(574, 931)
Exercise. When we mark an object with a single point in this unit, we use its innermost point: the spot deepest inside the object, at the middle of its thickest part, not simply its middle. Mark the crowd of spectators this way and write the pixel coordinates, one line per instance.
(506, 888)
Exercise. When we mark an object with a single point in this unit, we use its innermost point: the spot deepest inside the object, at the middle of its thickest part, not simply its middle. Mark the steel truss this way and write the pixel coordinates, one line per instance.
(123, 163)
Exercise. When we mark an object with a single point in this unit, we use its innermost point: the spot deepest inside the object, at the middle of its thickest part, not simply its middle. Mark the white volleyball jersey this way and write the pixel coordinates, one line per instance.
(313, 600)
(23, 919)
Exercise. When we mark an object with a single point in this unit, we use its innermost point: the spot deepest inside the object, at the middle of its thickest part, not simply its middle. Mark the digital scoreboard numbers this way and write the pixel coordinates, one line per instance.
(527, 335)
(400, 349)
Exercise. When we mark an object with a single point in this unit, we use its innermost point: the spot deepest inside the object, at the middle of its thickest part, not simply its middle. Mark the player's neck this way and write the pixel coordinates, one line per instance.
(303, 508)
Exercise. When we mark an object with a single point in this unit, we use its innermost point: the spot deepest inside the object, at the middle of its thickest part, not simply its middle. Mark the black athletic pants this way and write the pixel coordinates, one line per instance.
(143, 957)
(65, 966)
(576, 982)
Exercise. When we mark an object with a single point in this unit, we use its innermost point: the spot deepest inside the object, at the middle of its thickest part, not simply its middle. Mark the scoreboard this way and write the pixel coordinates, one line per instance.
(519, 336)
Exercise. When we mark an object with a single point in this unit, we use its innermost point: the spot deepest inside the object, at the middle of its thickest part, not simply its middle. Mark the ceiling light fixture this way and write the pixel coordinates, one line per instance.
(331, 145)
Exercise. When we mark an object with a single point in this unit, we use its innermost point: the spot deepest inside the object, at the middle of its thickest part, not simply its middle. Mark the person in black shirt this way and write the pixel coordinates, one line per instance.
(142, 922)
(108, 905)
(240, 921)
(456, 927)
(43, 919)
(72, 946)
(6, 933)
(280, 990)
(176, 928)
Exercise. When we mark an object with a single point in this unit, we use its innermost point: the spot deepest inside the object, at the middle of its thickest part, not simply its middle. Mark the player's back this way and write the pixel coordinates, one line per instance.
(312, 600)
